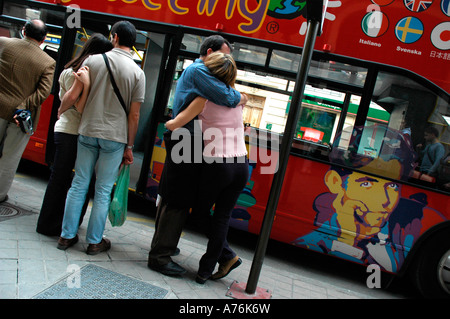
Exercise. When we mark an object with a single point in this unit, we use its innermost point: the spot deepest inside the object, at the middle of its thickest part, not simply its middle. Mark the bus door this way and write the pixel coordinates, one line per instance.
(155, 47)
(148, 53)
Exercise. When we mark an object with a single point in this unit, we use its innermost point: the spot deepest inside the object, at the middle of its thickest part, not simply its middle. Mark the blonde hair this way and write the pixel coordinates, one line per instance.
(222, 66)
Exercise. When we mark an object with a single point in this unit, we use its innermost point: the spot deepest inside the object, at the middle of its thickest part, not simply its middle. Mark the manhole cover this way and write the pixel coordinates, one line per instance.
(94, 282)
(6, 211)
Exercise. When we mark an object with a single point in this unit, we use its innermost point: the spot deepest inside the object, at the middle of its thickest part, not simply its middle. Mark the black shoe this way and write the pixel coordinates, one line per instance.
(170, 269)
(176, 252)
(4, 199)
(200, 280)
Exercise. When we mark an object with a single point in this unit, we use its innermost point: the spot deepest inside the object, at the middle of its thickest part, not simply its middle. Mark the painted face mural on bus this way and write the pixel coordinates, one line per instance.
(363, 217)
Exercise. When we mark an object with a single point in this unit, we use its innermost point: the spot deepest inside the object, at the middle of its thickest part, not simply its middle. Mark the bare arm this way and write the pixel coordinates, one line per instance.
(244, 99)
(70, 97)
(133, 121)
(83, 76)
(184, 117)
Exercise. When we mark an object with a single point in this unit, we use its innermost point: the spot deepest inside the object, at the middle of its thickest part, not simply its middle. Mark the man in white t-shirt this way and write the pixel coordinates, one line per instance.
(106, 137)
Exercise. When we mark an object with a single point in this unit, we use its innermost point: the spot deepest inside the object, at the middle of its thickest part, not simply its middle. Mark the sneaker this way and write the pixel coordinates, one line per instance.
(226, 268)
(94, 249)
(64, 243)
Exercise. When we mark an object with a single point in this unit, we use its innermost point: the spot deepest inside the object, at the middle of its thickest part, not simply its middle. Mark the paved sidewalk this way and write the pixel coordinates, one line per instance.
(30, 263)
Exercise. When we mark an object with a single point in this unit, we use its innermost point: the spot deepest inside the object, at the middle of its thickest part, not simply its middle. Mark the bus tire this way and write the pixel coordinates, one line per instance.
(430, 271)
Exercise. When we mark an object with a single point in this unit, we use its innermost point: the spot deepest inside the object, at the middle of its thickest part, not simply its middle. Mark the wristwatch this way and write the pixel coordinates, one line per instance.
(130, 147)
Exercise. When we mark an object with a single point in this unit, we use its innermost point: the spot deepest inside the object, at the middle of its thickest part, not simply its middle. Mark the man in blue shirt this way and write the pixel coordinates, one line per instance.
(178, 187)
(197, 80)
(433, 152)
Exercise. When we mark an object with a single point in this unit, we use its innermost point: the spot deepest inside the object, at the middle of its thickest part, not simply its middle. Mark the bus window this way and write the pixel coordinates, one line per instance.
(51, 19)
(400, 113)
(192, 43)
(11, 30)
(268, 100)
(329, 70)
(323, 114)
(268, 97)
(413, 109)
(241, 51)
(338, 72)
(250, 53)
(284, 60)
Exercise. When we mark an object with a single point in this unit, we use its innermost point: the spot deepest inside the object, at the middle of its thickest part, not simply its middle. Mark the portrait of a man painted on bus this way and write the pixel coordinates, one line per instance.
(363, 202)
(363, 217)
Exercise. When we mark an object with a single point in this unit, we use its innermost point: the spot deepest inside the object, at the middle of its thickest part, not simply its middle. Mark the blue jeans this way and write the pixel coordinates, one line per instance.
(107, 155)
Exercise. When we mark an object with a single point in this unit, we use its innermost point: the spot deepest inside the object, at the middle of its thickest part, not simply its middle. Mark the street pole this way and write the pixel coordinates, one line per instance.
(288, 136)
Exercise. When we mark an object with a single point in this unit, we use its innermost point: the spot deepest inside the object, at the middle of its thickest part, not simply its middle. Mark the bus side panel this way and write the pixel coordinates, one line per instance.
(35, 150)
(307, 211)
(307, 216)
(295, 214)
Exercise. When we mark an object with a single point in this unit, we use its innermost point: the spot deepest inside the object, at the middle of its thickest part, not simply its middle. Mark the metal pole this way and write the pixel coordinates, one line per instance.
(277, 183)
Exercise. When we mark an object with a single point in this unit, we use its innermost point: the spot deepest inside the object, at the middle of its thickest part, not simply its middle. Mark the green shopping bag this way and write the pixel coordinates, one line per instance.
(119, 204)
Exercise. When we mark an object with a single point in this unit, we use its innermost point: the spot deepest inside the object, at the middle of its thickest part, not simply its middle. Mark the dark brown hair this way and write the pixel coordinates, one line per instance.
(96, 44)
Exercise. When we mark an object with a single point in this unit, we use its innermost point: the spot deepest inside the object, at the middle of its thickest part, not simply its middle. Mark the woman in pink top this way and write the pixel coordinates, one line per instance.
(225, 169)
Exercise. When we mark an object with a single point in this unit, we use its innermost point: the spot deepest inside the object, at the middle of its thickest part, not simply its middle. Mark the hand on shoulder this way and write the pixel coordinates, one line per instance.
(83, 75)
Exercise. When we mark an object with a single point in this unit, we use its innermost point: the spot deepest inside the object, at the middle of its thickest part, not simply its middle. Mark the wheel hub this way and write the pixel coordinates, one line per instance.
(444, 272)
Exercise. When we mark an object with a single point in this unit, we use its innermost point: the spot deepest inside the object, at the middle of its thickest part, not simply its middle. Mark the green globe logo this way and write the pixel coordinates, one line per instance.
(286, 9)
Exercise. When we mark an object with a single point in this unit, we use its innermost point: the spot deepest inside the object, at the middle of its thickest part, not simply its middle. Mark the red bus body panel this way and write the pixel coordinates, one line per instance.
(298, 222)
(35, 150)
(401, 33)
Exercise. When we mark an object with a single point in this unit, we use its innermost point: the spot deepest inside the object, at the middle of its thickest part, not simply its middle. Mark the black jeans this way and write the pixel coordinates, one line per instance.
(168, 227)
(178, 189)
(52, 210)
(220, 185)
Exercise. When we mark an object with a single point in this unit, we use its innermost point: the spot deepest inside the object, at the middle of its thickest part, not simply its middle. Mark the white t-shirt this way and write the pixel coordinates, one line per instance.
(69, 121)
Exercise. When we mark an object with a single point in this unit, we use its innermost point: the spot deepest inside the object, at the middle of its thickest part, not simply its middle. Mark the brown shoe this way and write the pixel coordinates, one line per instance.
(227, 267)
(64, 243)
(94, 249)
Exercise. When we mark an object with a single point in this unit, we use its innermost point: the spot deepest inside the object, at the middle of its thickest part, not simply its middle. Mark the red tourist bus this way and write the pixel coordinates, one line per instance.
(378, 79)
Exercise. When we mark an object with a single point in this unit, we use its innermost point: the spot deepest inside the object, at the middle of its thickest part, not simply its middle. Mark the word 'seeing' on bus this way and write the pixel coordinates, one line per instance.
(254, 16)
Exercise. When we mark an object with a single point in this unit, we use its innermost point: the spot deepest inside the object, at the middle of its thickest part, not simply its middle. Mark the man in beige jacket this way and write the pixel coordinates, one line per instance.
(26, 78)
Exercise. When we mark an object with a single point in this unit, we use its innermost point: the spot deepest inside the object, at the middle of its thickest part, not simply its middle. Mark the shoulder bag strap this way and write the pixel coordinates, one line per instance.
(116, 89)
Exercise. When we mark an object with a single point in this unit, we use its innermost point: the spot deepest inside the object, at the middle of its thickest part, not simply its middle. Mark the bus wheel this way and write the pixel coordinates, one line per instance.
(431, 269)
